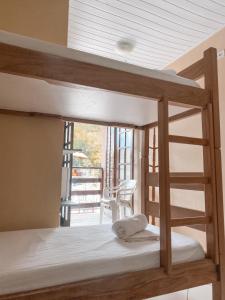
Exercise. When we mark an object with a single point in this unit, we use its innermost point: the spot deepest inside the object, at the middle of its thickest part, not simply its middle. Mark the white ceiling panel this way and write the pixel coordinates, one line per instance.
(160, 30)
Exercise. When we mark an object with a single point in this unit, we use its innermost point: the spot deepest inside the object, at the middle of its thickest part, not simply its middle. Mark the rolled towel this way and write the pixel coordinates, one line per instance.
(126, 227)
(142, 236)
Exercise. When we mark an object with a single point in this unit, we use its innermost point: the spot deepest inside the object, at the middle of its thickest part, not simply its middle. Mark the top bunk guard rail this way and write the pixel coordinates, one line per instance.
(49, 63)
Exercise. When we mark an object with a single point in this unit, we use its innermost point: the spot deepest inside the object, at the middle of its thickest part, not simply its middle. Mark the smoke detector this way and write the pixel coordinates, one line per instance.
(125, 46)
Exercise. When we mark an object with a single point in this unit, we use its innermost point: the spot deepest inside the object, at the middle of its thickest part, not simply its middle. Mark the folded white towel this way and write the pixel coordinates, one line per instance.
(126, 227)
(142, 236)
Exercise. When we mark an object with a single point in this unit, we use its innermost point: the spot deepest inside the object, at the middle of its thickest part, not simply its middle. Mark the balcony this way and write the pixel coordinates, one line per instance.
(86, 192)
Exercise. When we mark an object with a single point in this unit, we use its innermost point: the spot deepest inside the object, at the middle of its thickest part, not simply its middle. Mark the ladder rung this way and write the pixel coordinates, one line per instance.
(189, 180)
(187, 184)
(190, 221)
(187, 140)
(190, 186)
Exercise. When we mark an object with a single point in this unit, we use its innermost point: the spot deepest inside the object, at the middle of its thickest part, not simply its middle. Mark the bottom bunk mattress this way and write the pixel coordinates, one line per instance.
(32, 259)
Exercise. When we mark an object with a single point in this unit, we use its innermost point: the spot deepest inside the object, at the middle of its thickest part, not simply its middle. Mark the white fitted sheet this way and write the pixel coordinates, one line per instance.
(31, 259)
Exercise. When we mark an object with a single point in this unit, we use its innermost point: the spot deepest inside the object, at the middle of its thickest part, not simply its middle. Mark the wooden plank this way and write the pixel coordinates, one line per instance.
(101, 123)
(187, 140)
(164, 188)
(210, 189)
(177, 212)
(190, 221)
(211, 83)
(133, 285)
(66, 118)
(189, 180)
(195, 71)
(220, 288)
(187, 187)
(187, 174)
(154, 181)
(40, 65)
(177, 117)
(217, 291)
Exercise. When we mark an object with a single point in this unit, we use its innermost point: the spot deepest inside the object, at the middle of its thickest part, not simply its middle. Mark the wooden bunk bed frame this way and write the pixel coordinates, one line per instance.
(168, 278)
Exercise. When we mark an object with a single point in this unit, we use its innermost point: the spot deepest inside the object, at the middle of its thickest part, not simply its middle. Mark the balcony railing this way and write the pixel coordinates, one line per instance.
(87, 187)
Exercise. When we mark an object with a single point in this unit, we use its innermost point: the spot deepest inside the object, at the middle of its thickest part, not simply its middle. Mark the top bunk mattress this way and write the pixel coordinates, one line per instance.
(50, 48)
(32, 259)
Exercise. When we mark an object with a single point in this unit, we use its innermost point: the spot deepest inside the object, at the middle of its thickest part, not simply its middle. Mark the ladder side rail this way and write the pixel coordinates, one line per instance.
(211, 84)
(210, 189)
(164, 186)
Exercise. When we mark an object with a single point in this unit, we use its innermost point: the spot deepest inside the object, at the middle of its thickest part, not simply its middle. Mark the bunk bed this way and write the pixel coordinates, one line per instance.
(30, 58)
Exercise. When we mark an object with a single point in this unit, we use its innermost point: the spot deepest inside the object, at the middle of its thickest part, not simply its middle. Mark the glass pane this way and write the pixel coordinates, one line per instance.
(128, 172)
(122, 140)
(129, 138)
(128, 155)
(121, 173)
(117, 137)
(122, 156)
(112, 140)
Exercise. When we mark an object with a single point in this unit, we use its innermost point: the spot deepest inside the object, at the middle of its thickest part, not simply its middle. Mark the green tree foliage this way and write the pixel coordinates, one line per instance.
(89, 139)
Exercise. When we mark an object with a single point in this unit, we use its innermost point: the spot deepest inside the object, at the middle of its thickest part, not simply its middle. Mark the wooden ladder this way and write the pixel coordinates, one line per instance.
(166, 179)
(210, 181)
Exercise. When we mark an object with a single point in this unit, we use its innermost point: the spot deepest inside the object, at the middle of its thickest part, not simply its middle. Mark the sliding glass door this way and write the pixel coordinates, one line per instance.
(124, 154)
(67, 165)
(119, 155)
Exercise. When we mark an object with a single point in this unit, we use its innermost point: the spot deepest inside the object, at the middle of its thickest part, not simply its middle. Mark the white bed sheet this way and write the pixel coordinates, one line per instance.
(38, 45)
(31, 259)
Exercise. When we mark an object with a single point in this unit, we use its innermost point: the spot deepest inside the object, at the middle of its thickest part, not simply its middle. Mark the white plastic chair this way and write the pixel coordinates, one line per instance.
(109, 202)
(125, 197)
(116, 197)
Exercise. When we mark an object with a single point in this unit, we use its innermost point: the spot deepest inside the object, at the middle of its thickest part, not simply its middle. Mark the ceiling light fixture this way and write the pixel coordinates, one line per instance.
(125, 46)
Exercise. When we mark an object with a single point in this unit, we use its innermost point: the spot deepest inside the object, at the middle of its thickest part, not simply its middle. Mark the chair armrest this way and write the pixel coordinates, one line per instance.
(111, 190)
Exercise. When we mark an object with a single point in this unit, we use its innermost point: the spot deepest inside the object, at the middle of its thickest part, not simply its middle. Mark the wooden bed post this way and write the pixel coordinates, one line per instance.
(211, 83)
(210, 189)
(164, 185)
